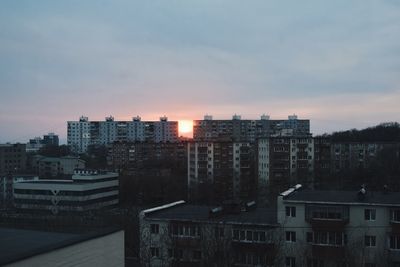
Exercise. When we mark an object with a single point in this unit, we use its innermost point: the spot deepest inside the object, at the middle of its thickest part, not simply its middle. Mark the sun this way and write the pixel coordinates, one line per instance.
(185, 127)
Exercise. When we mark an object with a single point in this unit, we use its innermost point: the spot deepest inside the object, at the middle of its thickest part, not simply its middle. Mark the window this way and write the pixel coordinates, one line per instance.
(197, 255)
(370, 214)
(291, 211)
(290, 262)
(370, 241)
(185, 230)
(395, 215)
(155, 228)
(394, 242)
(309, 237)
(328, 238)
(315, 262)
(290, 236)
(155, 252)
(219, 232)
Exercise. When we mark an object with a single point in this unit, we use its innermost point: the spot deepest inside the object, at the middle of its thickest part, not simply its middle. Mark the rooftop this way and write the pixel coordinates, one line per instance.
(187, 212)
(345, 197)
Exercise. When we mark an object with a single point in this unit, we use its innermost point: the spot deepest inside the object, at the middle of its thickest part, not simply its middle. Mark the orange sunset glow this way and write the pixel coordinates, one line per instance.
(185, 128)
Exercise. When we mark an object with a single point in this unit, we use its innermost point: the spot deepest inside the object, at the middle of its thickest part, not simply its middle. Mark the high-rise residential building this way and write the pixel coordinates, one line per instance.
(131, 156)
(283, 161)
(248, 130)
(12, 158)
(83, 133)
(225, 168)
(224, 154)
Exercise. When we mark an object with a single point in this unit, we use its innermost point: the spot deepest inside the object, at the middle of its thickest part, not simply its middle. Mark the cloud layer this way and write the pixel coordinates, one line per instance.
(335, 63)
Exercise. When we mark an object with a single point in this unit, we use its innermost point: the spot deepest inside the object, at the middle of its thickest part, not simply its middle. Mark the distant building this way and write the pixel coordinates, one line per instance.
(179, 234)
(87, 190)
(132, 156)
(225, 168)
(226, 153)
(283, 161)
(53, 167)
(47, 249)
(12, 158)
(35, 144)
(239, 130)
(83, 133)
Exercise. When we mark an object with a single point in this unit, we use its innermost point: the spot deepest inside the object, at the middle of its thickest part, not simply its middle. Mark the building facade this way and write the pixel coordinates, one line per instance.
(225, 167)
(137, 155)
(340, 228)
(87, 190)
(179, 234)
(283, 161)
(12, 158)
(83, 133)
(35, 144)
(308, 228)
(53, 167)
(248, 130)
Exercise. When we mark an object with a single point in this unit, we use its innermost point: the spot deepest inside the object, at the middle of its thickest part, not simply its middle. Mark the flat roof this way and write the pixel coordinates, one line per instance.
(188, 212)
(18, 244)
(345, 197)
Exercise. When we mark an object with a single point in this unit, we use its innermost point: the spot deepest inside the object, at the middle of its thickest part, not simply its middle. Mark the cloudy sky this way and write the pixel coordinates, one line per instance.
(334, 62)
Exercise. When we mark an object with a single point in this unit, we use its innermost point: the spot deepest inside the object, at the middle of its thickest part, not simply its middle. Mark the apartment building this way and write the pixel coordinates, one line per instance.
(83, 133)
(87, 190)
(180, 234)
(308, 228)
(12, 158)
(56, 167)
(225, 167)
(340, 228)
(136, 155)
(248, 130)
(285, 160)
(35, 144)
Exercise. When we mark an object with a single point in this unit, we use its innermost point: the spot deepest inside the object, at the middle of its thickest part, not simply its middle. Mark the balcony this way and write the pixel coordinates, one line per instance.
(329, 217)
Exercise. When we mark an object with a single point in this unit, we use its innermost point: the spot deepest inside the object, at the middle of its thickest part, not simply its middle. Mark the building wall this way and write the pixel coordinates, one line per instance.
(227, 166)
(354, 229)
(104, 251)
(12, 158)
(83, 133)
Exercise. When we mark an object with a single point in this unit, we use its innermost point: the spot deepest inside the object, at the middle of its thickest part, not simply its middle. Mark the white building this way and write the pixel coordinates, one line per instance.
(87, 190)
(285, 160)
(83, 133)
(332, 228)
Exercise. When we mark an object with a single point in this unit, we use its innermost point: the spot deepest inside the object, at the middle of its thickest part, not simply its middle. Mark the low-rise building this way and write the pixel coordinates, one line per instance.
(180, 234)
(340, 228)
(308, 228)
(56, 167)
(87, 190)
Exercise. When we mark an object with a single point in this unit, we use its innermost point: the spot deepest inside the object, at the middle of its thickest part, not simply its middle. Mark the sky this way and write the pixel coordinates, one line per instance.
(336, 63)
